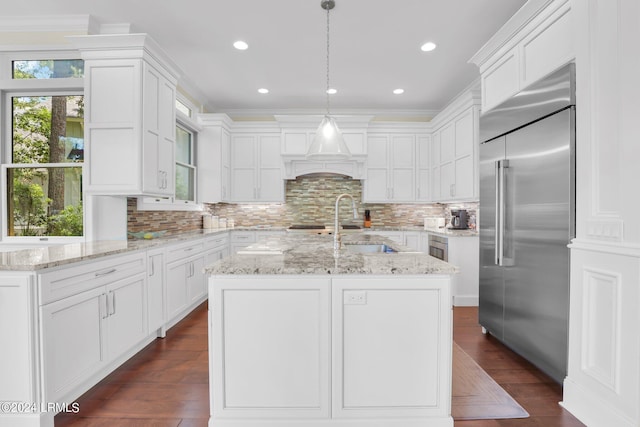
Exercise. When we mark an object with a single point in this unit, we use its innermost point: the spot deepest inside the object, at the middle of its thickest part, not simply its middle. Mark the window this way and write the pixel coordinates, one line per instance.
(185, 166)
(183, 108)
(48, 69)
(43, 179)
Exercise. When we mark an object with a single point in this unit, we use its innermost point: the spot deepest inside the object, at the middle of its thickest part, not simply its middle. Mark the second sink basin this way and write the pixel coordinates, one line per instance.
(369, 248)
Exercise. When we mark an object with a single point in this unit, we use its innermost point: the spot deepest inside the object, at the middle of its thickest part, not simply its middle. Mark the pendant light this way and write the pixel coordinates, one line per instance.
(328, 143)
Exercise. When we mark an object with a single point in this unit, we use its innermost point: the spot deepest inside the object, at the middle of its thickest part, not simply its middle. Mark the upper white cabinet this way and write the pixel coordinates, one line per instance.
(129, 117)
(214, 160)
(537, 40)
(424, 174)
(454, 156)
(256, 168)
(391, 168)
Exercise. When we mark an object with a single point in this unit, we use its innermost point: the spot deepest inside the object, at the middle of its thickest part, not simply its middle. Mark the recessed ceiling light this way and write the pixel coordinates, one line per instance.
(398, 91)
(263, 90)
(428, 46)
(332, 91)
(240, 45)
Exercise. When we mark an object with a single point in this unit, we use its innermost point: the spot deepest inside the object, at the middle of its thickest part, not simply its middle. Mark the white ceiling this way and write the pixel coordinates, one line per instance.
(375, 48)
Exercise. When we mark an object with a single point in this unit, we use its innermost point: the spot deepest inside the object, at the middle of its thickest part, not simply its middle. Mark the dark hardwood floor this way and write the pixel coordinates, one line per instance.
(166, 384)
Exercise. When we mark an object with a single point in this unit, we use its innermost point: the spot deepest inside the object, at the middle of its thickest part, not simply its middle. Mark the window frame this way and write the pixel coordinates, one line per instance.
(36, 87)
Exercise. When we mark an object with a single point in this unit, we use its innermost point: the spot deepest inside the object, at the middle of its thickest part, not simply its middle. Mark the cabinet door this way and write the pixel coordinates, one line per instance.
(376, 186)
(447, 181)
(271, 345)
(127, 309)
(244, 168)
(447, 143)
(155, 291)
(464, 179)
(72, 334)
(412, 239)
(403, 154)
(177, 296)
(226, 168)
(271, 184)
(423, 169)
(196, 280)
(158, 140)
(384, 368)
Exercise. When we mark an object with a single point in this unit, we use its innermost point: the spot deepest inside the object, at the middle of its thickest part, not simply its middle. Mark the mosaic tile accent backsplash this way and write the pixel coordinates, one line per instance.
(309, 200)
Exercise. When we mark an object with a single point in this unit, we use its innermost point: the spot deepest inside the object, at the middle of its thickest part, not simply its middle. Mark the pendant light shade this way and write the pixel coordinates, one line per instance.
(328, 144)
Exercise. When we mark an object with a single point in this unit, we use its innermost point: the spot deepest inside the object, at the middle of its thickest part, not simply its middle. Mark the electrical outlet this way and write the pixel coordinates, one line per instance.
(355, 297)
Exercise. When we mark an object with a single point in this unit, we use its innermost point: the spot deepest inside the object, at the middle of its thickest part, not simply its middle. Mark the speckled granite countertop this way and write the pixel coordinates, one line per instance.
(56, 255)
(313, 254)
(38, 258)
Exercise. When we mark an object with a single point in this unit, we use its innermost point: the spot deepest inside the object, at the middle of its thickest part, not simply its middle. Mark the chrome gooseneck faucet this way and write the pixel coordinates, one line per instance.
(336, 228)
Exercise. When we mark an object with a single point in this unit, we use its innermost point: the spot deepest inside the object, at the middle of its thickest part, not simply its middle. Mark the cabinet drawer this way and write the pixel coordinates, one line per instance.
(69, 281)
(243, 237)
(185, 250)
(217, 242)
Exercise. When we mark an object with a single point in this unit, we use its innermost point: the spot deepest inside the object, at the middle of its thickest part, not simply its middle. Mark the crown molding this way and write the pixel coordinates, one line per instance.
(47, 23)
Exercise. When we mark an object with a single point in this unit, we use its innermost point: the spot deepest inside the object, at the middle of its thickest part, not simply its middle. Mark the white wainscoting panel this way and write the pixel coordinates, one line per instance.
(601, 321)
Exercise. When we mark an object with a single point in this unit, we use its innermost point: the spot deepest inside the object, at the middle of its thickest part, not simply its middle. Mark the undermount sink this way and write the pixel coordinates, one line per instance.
(369, 248)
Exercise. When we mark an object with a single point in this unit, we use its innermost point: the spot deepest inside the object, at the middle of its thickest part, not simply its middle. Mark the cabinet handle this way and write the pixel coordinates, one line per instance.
(104, 308)
(113, 303)
(159, 179)
(153, 268)
(104, 273)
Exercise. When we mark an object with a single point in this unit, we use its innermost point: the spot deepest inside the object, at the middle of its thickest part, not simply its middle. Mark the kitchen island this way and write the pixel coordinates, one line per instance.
(300, 336)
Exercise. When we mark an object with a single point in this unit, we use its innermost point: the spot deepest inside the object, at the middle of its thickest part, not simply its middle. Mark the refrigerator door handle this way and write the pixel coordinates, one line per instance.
(496, 246)
(504, 165)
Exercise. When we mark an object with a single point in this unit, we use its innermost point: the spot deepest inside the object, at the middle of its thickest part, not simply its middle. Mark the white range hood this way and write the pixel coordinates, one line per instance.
(297, 134)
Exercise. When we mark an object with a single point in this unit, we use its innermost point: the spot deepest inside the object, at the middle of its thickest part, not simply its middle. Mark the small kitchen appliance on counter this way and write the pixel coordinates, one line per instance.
(459, 219)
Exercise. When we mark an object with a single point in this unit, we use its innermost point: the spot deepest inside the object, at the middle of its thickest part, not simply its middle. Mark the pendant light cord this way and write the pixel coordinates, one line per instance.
(327, 91)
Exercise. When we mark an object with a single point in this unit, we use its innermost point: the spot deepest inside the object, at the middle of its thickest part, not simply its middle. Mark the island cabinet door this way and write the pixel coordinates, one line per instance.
(391, 347)
(270, 347)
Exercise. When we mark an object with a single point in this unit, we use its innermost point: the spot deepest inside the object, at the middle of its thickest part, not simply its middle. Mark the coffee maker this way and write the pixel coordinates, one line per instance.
(459, 219)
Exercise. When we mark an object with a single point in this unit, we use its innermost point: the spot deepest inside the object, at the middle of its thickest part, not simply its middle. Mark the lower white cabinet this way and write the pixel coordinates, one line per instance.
(464, 253)
(155, 290)
(317, 351)
(85, 332)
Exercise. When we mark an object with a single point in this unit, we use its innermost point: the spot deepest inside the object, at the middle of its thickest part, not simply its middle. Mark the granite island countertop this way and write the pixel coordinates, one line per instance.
(313, 254)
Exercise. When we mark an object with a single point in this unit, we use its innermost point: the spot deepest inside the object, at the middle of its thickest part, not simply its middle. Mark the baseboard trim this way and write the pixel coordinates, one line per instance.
(590, 409)
(395, 422)
(465, 300)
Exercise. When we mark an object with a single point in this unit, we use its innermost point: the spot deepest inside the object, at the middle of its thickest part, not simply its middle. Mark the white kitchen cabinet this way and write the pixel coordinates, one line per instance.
(455, 158)
(216, 248)
(256, 168)
(464, 253)
(185, 278)
(423, 168)
(155, 291)
(213, 158)
(276, 331)
(387, 369)
(509, 62)
(412, 239)
(390, 168)
(85, 332)
(329, 346)
(129, 117)
(73, 331)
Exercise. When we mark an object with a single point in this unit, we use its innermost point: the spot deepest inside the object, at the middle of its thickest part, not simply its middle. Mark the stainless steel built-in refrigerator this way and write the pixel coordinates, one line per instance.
(527, 218)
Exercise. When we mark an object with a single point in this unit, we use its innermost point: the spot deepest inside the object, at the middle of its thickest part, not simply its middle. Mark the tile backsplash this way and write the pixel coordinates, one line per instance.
(309, 200)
